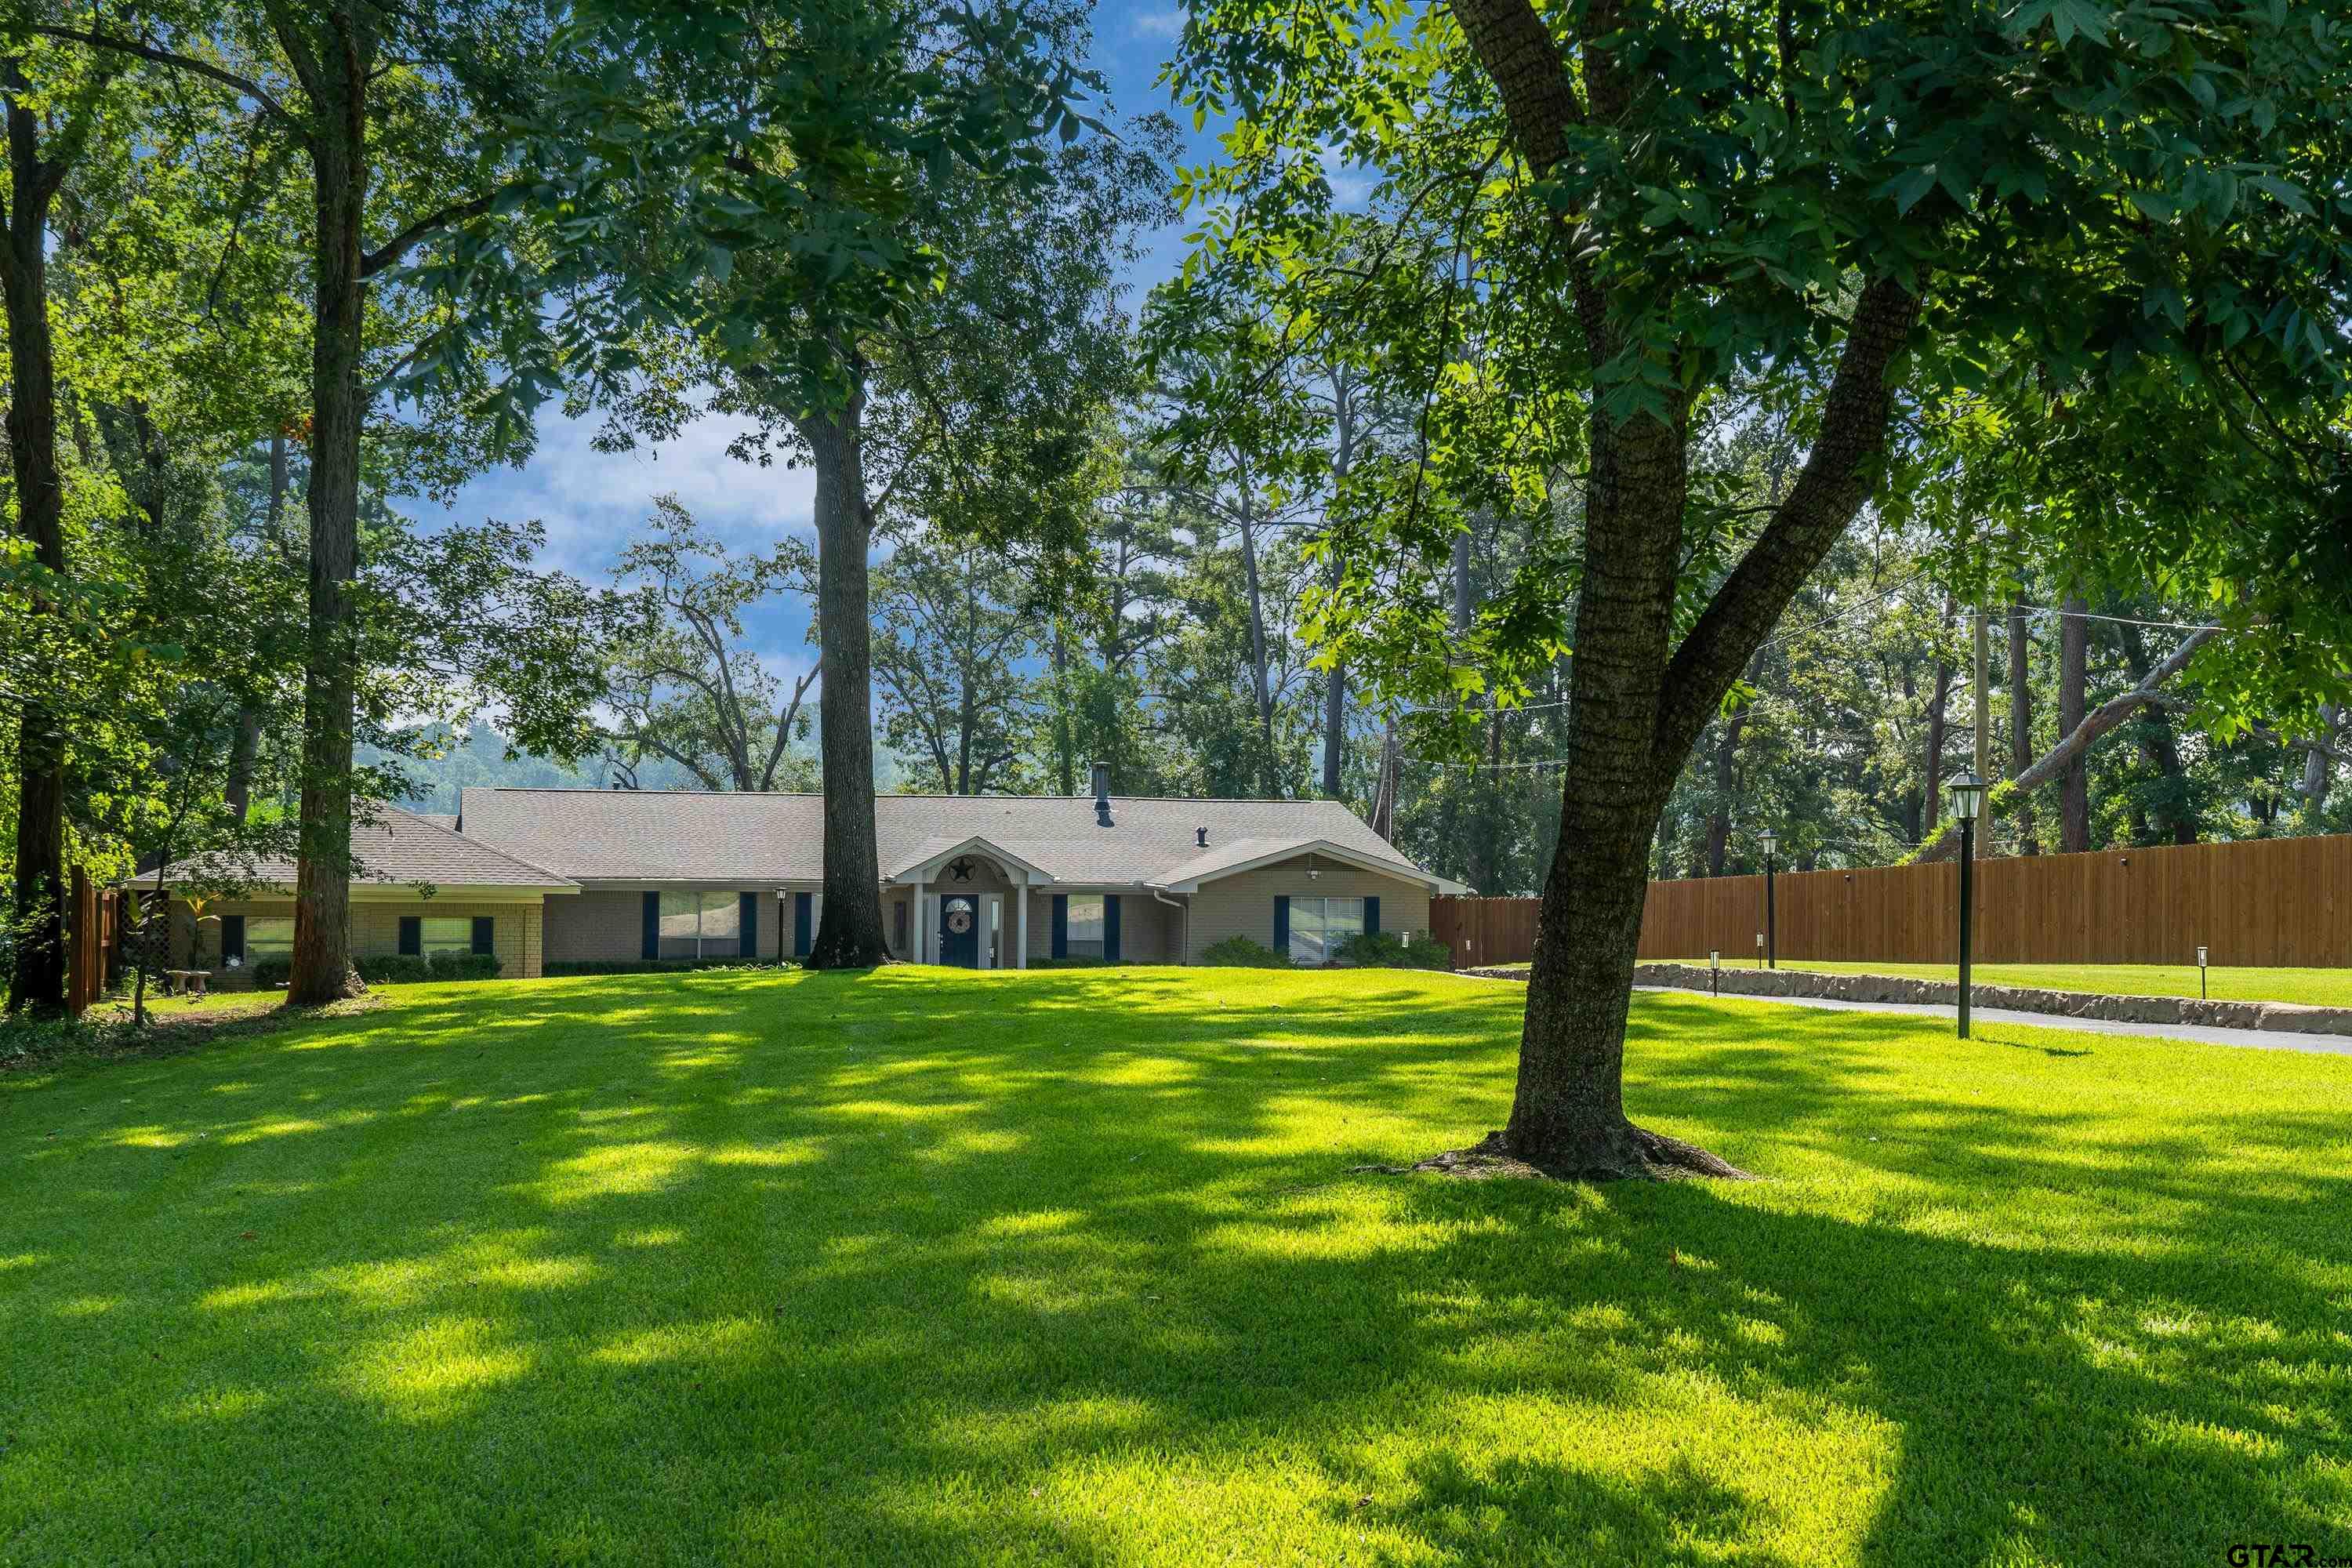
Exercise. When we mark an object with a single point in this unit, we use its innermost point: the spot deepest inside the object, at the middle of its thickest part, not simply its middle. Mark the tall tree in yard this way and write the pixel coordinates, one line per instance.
(833, 197)
(1873, 208)
(53, 110)
(386, 106)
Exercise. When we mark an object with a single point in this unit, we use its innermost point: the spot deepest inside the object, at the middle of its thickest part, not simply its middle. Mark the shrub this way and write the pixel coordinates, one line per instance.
(1242, 952)
(273, 972)
(648, 965)
(1389, 950)
(406, 968)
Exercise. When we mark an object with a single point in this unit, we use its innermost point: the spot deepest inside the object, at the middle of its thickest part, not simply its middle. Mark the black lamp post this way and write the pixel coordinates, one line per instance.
(1968, 793)
(1772, 932)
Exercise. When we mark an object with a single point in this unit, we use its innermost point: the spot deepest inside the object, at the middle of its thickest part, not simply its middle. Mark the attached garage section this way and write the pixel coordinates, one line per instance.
(1284, 907)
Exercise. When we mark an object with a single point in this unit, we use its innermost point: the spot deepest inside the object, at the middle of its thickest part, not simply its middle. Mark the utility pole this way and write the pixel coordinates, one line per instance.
(1983, 768)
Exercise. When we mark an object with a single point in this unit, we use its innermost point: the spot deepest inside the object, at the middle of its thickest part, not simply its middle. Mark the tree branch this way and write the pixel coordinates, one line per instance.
(1830, 490)
(161, 56)
(2105, 717)
(407, 240)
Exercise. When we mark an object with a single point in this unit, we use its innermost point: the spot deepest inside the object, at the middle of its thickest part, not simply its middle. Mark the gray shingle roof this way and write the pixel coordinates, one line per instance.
(657, 835)
(402, 846)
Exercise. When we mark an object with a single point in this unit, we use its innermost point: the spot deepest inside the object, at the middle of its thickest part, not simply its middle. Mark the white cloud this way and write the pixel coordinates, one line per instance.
(1164, 23)
(1352, 184)
(593, 501)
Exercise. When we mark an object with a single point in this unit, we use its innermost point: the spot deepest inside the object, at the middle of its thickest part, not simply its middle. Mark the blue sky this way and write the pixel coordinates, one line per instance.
(591, 501)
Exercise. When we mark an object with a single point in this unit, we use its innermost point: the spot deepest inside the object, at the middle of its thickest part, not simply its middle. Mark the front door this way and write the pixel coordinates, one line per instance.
(959, 930)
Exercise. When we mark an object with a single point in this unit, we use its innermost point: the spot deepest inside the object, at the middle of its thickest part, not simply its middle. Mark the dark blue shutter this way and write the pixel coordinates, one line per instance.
(1371, 914)
(1061, 925)
(750, 923)
(1282, 922)
(412, 935)
(801, 921)
(233, 938)
(651, 946)
(485, 933)
(1110, 927)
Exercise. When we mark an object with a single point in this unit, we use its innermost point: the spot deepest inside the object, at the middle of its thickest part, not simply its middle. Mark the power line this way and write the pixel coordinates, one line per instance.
(2125, 620)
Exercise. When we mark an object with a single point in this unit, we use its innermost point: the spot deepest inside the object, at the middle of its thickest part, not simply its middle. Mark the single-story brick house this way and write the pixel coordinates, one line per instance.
(544, 877)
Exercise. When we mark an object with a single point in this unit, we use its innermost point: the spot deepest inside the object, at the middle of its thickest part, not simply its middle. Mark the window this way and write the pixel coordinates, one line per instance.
(269, 936)
(444, 934)
(701, 925)
(1319, 925)
(1086, 925)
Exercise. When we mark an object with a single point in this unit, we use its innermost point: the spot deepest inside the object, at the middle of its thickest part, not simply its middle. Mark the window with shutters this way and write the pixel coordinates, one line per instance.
(444, 934)
(701, 925)
(1086, 925)
(269, 936)
(1319, 925)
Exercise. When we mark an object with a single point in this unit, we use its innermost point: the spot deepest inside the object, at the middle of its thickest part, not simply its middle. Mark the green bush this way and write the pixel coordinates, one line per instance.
(1389, 950)
(269, 973)
(406, 968)
(1239, 951)
(647, 965)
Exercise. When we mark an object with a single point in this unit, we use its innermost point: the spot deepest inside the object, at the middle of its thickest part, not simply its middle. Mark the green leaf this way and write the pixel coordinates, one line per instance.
(1907, 189)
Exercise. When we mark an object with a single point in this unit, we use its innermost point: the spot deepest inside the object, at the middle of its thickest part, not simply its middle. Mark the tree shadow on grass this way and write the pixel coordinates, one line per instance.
(853, 1268)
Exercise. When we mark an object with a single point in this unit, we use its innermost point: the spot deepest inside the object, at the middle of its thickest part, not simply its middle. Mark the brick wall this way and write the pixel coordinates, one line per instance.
(516, 934)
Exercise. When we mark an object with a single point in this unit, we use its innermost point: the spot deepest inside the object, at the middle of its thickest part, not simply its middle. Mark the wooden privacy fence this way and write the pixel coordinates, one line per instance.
(1485, 930)
(92, 934)
(2273, 901)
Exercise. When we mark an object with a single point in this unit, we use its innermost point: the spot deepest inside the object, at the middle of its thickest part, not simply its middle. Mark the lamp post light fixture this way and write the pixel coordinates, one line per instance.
(1714, 967)
(1968, 793)
(1771, 926)
(2200, 974)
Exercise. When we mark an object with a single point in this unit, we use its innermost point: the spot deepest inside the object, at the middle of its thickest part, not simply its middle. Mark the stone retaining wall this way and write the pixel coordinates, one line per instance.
(2283, 1016)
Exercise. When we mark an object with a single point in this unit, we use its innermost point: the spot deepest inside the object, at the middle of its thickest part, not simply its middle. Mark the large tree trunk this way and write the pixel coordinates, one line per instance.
(2173, 820)
(1727, 776)
(1269, 784)
(1639, 702)
(2319, 767)
(2021, 720)
(1939, 719)
(1910, 804)
(849, 931)
(37, 981)
(1334, 714)
(2074, 700)
(1939, 698)
(321, 965)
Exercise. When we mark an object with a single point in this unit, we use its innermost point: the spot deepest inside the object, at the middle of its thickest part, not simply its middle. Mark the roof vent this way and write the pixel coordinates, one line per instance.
(1101, 772)
(1201, 837)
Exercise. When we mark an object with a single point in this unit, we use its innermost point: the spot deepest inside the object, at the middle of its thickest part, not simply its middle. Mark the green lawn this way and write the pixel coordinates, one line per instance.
(919, 1267)
(2315, 987)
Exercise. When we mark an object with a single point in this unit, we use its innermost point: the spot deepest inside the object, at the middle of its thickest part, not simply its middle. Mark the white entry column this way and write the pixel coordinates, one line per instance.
(922, 924)
(1021, 920)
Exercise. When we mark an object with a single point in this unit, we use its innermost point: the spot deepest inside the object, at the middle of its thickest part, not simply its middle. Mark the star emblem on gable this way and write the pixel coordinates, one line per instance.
(962, 869)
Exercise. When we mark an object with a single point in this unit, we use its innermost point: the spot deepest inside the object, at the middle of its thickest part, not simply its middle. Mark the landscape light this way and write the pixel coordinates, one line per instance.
(2200, 974)
(1968, 793)
(1771, 938)
(1714, 967)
